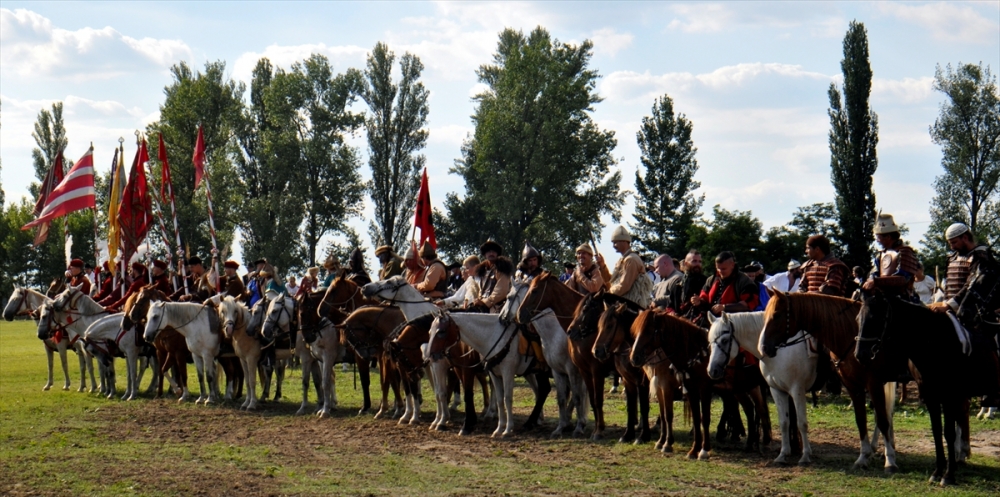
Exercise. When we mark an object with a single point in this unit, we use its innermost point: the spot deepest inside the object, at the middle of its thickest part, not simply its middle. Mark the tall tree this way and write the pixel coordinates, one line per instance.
(665, 205)
(212, 100)
(783, 243)
(537, 168)
(396, 132)
(968, 131)
(853, 138)
(736, 231)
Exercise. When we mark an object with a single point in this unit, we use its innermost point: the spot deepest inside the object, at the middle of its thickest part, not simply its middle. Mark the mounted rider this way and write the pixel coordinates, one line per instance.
(895, 265)
(77, 277)
(629, 277)
(356, 269)
(414, 272)
(494, 275)
(823, 273)
(435, 281)
(586, 277)
(231, 281)
(392, 264)
(160, 278)
(667, 293)
(107, 283)
(728, 290)
(140, 278)
(531, 263)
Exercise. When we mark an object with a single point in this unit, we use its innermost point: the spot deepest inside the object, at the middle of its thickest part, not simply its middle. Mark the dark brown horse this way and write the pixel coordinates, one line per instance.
(343, 294)
(833, 321)
(365, 330)
(171, 349)
(614, 341)
(660, 336)
(893, 332)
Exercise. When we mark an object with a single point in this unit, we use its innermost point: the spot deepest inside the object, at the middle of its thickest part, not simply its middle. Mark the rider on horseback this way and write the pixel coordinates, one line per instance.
(494, 277)
(160, 278)
(586, 277)
(531, 263)
(629, 277)
(896, 263)
(823, 273)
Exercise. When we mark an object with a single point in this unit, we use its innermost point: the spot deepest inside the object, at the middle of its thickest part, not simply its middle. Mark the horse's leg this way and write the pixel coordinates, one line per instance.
(746, 401)
(383, 407)
(364, 371)
(81, 355)
(934, 411)
(441, 381)
(963, 436)
(562, 401)
(781, 400)
(307, 361)
(695, 404)
(65, 365)
(213, 382)
(581, 400)
(131, 369)
(48, 355)
(455, 389)
(326, 375)
(631, 407)
(542, 389)
(706, 410)
(508, 398)
(501, 409)
(884, 401)
(661, 400)
(596, 390)
(468, 379)
(861, 420)
(802, 421)
(280, 378)
(199, 366)
(642, 392)
(950, 414)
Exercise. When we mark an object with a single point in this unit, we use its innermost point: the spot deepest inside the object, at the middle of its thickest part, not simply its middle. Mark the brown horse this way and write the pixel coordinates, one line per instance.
(833, 321)
(343, 294)
(171, 349)
(660, 336)
(894, 332)
(614, 340)
(365, 330)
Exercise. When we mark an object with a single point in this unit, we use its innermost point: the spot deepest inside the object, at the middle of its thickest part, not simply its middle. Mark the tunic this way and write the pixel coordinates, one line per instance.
(626, 280)
(826, 276)
(587, 281)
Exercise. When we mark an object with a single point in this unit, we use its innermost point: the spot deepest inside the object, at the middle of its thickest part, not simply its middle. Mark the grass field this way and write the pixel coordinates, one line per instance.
(70, 443)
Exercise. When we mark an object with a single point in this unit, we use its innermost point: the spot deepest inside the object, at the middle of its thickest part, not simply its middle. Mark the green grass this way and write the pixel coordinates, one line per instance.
(70, 443)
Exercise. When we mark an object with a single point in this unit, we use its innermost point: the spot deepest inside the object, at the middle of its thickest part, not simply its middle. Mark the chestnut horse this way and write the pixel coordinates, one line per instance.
(833, 322)
(171, 349)
(365, 330)
(893, 332)
(614, 340)
(659, 337)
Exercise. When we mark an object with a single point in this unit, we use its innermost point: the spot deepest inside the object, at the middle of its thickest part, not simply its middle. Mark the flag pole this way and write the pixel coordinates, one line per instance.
(173, 213)
(159, 217)
(199, 160)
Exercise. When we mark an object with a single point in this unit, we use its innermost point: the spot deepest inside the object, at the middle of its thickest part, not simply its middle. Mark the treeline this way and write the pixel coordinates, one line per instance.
(536, 168)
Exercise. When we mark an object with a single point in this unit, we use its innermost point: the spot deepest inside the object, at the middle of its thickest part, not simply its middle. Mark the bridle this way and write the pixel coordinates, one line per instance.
(357, 289)
(727, 332)
(273, 318)
(880, 341)
(540, 299)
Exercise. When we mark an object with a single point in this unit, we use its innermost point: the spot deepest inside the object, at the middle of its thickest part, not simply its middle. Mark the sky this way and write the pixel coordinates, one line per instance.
(752, 78)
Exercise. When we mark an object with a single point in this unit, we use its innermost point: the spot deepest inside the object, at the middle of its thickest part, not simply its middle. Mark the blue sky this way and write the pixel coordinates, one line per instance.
(751, 76)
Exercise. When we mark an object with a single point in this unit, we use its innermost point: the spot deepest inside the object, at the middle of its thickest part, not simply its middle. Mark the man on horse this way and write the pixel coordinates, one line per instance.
(356, 269)
(586, 277)
(531, 263)
(107, 283)
(160, 278)
(231, 281)
(823, 273)
(140, 278)
(787, 281)
(494, 277)
(469, 291)
(77, 276)
(628, 279)
(895, 264)
(667, 293)
(727, 291)
(414, 272)
(435, 281)
(392, 264)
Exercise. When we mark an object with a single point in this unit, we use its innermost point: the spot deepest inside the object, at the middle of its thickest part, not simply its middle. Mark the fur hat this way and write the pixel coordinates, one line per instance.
(585, 248)
(77, 263)
(384, 249)
(231, 265)
(885, 224)
(138, 266)
(427, 252)
(491, 245)
(621, 235)
(956, 230)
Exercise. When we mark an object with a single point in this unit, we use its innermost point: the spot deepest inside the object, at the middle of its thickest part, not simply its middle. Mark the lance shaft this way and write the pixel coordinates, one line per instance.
(211, 226)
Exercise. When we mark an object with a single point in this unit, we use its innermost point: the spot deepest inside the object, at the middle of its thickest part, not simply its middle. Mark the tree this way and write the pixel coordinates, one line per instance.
(210, 99)
(665, 205)
(968, 131)
(396, 133)
(783, 243)
(853, 138)
(537, 168)
(736, 231)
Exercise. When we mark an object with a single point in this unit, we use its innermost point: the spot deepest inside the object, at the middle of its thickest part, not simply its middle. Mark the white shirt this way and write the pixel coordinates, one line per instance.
(292, 289)
(467, 293)
(925, 289)
(780, 282)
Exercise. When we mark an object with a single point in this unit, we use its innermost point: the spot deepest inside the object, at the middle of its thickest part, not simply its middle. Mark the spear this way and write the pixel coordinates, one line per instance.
(199, 174)
(165, 181)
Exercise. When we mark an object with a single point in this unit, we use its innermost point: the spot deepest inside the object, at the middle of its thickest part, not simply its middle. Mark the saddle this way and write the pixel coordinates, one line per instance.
(530, 344)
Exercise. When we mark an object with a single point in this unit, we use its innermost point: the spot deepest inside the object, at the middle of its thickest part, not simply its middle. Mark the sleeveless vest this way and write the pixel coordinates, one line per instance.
(642, 288)
(958, 273)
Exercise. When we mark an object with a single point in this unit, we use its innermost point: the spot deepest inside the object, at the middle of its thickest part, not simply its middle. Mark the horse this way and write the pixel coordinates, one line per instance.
(115, 336)
(235, 318)
(198, 324)
(492, 338)
(79, 312)
(171, 349)
(614, 340)
(26, 301)
(947, 371)
(578, 316)
(366, 330)
(343, 294)
(833, 322)
(789, 374)
(320, 341)
(281, 323)
(660, 336)
(571, 391)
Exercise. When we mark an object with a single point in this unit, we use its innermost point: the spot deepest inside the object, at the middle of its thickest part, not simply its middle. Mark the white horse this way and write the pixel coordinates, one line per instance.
(790, 373)
(319, 339)
(25, 300)
(235, 319)
(571, 390)
(194, 322)
(413, 305)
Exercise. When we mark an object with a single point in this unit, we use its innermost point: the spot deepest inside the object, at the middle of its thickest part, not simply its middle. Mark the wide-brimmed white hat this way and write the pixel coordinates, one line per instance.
(885, 224)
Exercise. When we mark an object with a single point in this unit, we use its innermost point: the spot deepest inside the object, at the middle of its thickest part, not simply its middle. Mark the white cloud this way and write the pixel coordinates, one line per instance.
(31, 46)
(727, 76)
(947, 21)
(630, 85)
(608, 41)
(283, 56)
(449, 135)
(906, 90)
(701, 18)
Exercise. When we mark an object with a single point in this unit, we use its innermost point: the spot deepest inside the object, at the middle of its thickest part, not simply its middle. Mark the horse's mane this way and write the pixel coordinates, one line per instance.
(817, 313)
(545, 276)
(685, 336)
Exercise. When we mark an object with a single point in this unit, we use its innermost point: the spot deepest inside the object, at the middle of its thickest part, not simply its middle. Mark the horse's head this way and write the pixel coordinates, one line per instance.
(67, 298)
(722, 345)
(233, 315)
(340, 294)
(154, 320)
(588, 313)
(511, 309)
(45, 321)
(310, 315)
(607, 333)
(873, 327)
(534, 300)
(257, 312)
(385, 289)
(57, 286)
(278, 316)
(779, 324)
(17, 303)
(982, 296)
(442, 336)
(135, 313)
(645, 330)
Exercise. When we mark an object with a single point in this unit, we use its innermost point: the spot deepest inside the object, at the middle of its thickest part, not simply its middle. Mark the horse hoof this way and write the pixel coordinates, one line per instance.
(464, 433)
(934, 479)
(596, 437)
(46, 388)
(66, 388)
(301, 411)
(891, 470)
(804, 462)
(626, 439)
(692, 455)
(703, 455)
(947, 482)
(667, 449)
(81, 389)
(579, 433)
(658, 446)
(440, 427)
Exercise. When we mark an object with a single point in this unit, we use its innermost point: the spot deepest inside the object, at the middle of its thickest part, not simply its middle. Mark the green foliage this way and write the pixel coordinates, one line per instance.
(211, 99)
(783, 243)
(968, 131)
(50, 136)
(15, 244)
(537, 168)
(396, 132)
(665, 203)
(853, 138)
(736, 231)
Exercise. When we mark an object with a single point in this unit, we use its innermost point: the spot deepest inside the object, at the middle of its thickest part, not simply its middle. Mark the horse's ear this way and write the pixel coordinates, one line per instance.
(79, 287)
(711, 318)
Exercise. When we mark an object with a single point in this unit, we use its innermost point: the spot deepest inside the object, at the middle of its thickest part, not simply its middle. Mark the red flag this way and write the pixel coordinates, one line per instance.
(422, 218)
(165, 171)
(135, 212)
(52, 178)
(199, 158)
(74, 192)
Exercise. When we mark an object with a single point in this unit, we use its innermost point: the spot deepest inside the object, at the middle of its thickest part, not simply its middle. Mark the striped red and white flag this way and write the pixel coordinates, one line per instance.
(73, 193)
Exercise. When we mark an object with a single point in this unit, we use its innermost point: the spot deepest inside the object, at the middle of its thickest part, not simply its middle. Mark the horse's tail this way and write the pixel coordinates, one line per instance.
(687, 411)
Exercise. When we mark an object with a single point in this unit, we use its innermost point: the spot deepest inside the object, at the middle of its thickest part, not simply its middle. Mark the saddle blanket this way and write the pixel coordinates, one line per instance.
(963, 335)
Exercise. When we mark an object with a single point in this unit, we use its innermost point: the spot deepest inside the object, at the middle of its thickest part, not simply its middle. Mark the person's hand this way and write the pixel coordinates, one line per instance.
(695, 300)
(718, 309)
(868, 285)
(109, 309)
(440, 303)
(600, 259)
(939, 307)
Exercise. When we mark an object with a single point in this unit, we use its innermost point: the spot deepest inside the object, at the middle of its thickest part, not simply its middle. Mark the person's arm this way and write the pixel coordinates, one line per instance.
(834, 282)
(630, 271)
(432, 276)
(500, 291)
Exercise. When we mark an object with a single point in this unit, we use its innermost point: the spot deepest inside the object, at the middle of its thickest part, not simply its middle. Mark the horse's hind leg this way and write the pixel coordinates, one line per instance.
(306, 371)
(468, 379)
(861, 420)
(746, 401)
(706, 410)
(542, 389)
(781, 402)
(281, 377)
(962, 437)
(934, 411)
(950, 415)
(631, 409)
(884, 402)
(802, 426)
